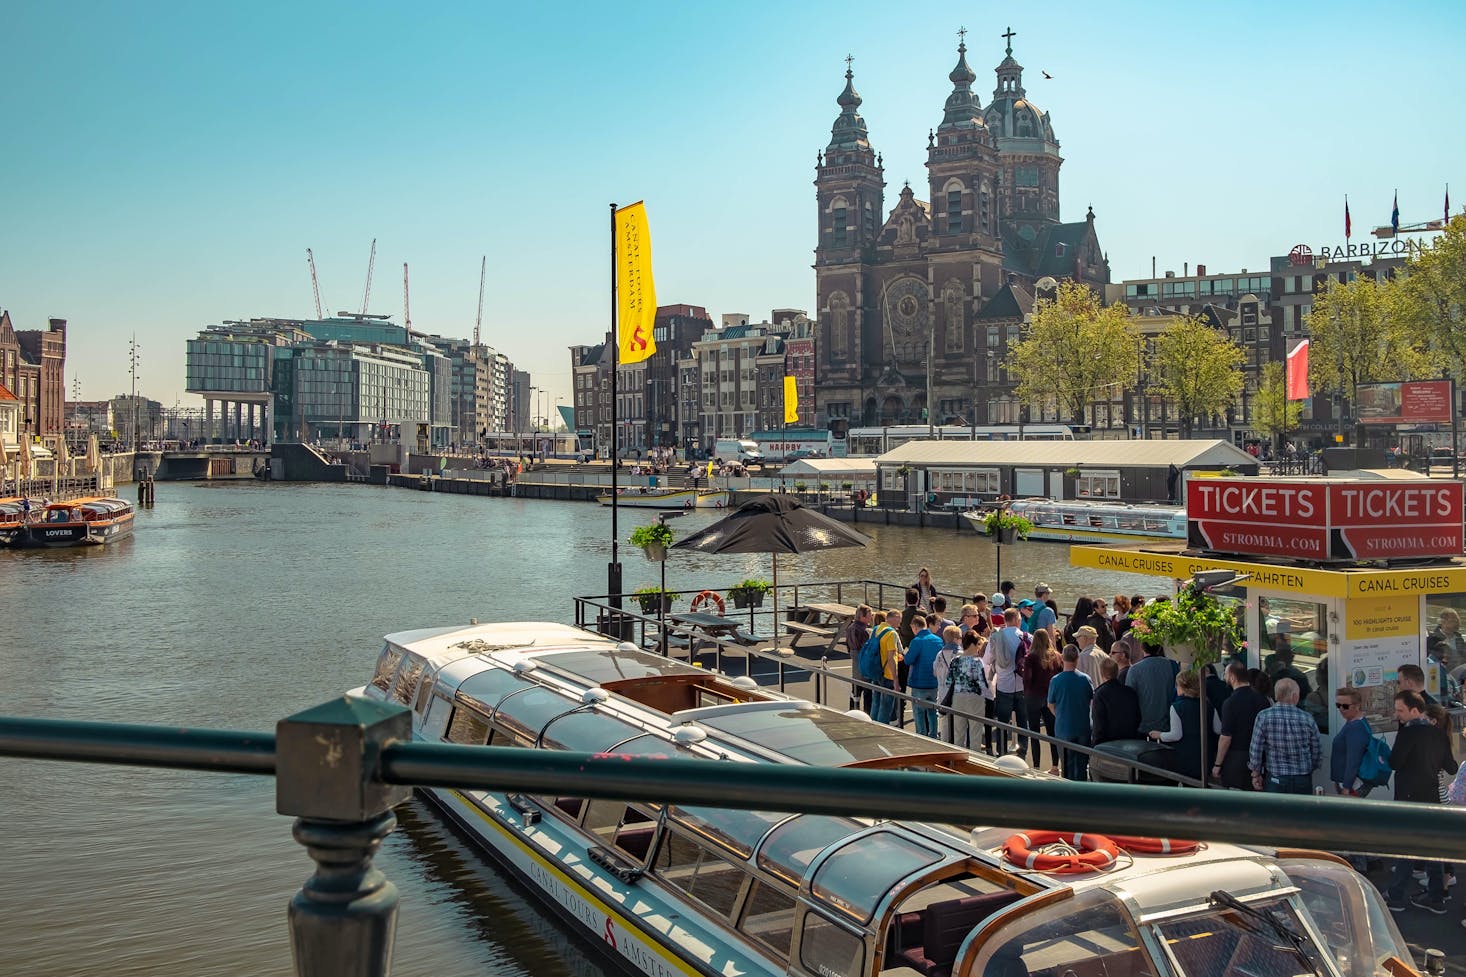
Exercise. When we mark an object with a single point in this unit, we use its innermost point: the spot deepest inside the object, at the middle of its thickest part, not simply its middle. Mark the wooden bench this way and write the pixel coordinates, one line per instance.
(826, 633)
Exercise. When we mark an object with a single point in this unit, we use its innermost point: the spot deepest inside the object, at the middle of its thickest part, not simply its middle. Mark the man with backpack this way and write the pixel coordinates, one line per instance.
(880, 659)
(856, 633)
(1351, 745)
(1004, 649)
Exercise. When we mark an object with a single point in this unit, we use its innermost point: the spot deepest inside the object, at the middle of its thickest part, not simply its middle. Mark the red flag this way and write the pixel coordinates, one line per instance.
(1298, 372)
(1348, 224)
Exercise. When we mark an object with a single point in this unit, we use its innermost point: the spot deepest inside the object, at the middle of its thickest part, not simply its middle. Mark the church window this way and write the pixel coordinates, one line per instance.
(956, 313)
(1026, 176)
(954, 211)
(838, 234)
(869, 223)
(1024, 124)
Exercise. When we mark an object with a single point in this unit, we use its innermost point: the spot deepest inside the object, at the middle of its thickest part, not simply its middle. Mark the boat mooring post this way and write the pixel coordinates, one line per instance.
(343, 920)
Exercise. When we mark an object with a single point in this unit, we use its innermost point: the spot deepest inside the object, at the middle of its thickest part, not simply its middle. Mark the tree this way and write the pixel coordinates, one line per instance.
(1356, 336)
(1272, 412)
(1197, 368)
(1074, 348)
(1430, 299)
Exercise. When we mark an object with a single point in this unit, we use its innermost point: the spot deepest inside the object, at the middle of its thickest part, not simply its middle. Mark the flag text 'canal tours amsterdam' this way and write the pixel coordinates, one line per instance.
(635, 291)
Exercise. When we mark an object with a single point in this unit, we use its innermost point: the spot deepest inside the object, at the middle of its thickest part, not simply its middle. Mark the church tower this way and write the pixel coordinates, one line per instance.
(849, 189)
(1028, 153)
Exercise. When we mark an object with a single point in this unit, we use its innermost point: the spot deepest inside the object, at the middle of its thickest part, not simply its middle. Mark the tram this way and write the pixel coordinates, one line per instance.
(874, 441)
(666, 890)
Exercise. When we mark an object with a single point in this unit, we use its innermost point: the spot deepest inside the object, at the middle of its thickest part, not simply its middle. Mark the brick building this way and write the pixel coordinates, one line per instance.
(33, 368)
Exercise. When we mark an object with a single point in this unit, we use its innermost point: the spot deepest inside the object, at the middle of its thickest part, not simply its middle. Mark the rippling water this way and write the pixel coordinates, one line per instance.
(236, 604)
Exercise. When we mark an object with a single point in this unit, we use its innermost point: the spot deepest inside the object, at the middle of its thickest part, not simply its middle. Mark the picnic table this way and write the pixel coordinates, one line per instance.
(823, 620)
(710, 625)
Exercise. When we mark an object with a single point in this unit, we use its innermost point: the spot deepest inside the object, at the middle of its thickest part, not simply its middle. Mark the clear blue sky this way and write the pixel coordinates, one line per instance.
(165, 166)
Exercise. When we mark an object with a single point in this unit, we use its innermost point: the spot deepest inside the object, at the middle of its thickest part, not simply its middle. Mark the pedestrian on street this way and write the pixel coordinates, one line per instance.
(1239, 716)
(1284, 751)
(1070, 695)
(1002, 660)
(1420, 754)
(967, 676)
(1039, 667)
(921, 656)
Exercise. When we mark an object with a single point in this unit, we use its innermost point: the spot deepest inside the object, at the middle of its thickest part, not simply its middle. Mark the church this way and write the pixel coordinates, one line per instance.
(940, 285)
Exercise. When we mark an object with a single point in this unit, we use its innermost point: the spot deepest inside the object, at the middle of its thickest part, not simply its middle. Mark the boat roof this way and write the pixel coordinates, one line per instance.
(94, 501)
(1098, 454)
(529, 676)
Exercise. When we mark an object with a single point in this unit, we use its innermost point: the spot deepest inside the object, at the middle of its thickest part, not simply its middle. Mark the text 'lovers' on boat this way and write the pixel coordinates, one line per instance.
(668, 890)
(1091, 521)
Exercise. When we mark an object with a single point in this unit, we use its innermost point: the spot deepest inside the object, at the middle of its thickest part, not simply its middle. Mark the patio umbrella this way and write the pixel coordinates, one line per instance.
(25, 469)
(4, 466)
(94, 457)
(773, 524)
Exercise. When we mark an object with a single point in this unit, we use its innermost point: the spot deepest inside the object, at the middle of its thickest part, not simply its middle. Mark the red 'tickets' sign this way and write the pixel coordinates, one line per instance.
(1325, 520)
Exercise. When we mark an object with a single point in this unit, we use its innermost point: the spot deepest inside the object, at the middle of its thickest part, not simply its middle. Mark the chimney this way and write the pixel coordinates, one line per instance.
(1185, 269)
(1201, 269)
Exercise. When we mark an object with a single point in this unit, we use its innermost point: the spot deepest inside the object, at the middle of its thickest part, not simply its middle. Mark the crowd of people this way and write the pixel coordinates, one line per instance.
(1004, 670)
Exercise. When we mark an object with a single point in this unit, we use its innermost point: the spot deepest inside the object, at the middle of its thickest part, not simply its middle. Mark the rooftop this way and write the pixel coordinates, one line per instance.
(1109, 454)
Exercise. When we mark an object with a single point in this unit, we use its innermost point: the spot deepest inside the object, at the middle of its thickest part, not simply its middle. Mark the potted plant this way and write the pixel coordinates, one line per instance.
(799, 487)
(1072, 472)
(750, 592)
(1005, 527)
(652, 598)
(653, 539)
(1195, 627)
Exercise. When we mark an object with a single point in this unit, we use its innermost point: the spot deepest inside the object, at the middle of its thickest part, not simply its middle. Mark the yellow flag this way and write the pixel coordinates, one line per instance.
(791, 401)
(636, 294)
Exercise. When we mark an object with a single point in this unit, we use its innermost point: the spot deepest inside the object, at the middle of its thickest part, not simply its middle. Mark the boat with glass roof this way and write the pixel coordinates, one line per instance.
(667, 890)
(1092, 521)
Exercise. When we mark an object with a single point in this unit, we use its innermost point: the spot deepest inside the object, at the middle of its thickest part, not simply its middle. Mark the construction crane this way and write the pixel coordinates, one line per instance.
(310, 259)
(406, 305)
(483, 269)
(366, 295)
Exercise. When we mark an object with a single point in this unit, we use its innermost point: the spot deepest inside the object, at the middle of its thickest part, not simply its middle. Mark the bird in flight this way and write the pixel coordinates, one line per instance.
(1046, 74)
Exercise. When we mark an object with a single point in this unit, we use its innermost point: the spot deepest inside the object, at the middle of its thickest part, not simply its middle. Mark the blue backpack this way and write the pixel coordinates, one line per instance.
(1374, 767)
(869, 661)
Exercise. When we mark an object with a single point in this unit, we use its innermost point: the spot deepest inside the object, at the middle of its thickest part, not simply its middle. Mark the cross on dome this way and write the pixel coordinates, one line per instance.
(1010, 34)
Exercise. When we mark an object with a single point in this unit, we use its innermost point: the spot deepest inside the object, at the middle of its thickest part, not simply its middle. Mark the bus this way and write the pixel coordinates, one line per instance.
(869, 442)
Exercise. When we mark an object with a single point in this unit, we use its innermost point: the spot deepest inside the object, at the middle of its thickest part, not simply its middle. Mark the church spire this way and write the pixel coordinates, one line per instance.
(1010, 72)
(963, 110)
(849, 132)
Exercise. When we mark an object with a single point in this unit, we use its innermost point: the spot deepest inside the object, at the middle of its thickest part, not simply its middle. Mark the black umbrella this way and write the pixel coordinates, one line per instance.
(773, 524)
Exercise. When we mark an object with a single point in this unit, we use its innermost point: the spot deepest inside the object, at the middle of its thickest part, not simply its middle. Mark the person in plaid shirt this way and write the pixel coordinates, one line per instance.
(1285, 749)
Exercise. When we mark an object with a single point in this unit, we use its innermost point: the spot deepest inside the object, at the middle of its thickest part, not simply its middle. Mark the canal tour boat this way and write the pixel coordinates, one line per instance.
(1093, 522)
(90, 521)
(667, 890)
(631, 498)
(15, 512)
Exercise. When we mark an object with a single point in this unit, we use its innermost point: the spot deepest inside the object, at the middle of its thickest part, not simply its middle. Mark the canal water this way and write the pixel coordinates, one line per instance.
(236, 604)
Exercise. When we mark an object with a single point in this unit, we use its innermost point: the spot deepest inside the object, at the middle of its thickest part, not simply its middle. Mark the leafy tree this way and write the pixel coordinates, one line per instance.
(1356, 336)
(1430, 299)
(1272, 412)
(1197, 368)
(1075, 348)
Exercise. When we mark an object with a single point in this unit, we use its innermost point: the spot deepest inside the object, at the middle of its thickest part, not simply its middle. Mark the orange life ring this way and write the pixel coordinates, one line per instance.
(704, 597)
(1090, 852)
(1156, 846)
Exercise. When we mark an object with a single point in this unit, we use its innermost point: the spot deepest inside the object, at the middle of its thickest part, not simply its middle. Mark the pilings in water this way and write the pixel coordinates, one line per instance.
(146, 492)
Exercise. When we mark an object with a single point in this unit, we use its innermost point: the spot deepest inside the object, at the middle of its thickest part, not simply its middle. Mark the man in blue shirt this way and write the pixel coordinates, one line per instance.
(1070, 694)
(1043, 614)
(1284, 750)
(1350, 744)
(921, 655)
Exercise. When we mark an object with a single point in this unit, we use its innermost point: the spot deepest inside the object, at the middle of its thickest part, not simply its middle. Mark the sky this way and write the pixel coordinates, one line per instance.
(164, 166)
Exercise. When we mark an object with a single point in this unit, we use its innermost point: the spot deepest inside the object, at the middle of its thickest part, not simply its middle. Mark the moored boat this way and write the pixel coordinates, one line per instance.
(666, 889)
(668, 499)
(90, 521)
(15, 512)
(1081, 521)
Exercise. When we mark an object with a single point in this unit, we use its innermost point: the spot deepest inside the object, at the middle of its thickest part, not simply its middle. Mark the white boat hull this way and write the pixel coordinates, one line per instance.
(668, 499)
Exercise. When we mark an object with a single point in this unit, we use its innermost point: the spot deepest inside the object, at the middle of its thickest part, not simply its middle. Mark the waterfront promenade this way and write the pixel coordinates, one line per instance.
(236, 604)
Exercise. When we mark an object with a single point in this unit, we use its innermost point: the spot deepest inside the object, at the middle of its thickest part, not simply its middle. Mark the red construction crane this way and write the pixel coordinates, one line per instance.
(482, 270)
(310, 259)
(366, 295)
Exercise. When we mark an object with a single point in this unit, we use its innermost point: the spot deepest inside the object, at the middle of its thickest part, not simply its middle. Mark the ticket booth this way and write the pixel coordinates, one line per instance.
(1383, 583)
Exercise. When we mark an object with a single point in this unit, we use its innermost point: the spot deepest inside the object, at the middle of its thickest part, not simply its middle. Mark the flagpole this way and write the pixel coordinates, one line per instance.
(613, 569)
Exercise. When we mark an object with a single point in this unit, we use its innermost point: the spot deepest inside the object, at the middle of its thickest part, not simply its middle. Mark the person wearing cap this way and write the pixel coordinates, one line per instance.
(1025, 614)
(1090, 654)
(1043, 614)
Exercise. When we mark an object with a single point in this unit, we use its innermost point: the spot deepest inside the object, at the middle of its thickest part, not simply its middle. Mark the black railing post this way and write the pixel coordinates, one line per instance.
(343, 920)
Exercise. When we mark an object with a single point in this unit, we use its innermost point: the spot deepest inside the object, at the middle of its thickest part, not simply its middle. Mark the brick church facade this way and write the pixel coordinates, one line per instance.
(940, 283)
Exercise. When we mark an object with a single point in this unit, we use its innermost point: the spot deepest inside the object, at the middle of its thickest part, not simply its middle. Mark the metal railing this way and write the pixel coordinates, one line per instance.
(342, 767)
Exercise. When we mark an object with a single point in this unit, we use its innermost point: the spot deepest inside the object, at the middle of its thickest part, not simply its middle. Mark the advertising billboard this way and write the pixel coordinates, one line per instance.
(1407, 402)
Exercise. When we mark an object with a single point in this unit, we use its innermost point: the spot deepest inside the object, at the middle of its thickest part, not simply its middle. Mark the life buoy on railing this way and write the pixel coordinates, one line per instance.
(1156, 846)
(1066, 854)
(708, 597)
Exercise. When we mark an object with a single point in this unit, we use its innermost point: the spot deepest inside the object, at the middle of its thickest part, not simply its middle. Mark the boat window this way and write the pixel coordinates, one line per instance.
(490, 686)
(468, 727)
(586, 732)
(768, 918)
(693, 868)
(524, 714)
(386, 665)
(1090, 934)
(828, 949)
(424, 695)
(648, 745)
(620, 826)
(1220, 943)
(738, 831)
(856, 876)
(791, 846)
(407, 680)
(1357, 929)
